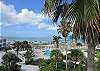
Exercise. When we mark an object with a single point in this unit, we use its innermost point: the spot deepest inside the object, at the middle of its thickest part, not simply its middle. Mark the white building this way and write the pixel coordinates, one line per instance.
(2, 43)
(98, 47)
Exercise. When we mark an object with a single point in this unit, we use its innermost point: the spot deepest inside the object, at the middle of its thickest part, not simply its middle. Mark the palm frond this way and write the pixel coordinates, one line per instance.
(55, 8)
(64, 28)
(84, 13)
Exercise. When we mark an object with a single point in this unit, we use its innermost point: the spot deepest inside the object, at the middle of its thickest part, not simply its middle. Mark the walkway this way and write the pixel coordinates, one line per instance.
(29, 68)
(1, 55)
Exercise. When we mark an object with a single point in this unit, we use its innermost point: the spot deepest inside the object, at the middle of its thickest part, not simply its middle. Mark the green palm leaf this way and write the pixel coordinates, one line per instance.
(84, 14)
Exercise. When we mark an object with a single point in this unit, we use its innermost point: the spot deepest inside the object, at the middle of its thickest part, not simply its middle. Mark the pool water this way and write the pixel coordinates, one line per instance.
(47, 52)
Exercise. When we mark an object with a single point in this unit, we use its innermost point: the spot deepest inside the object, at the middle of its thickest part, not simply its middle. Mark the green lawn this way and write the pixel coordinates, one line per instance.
(98, 54)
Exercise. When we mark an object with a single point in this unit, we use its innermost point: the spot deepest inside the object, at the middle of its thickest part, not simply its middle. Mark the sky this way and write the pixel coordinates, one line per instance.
(23, 18)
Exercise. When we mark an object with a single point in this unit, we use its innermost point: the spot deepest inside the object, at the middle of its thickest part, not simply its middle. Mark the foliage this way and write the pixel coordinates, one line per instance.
(9, 62)
(98, 54)
(64, 28)
(2, 68)
(9, 57)
(50, 65)
(80, 13)
(77, 56)
(54, 61)
(7, 48)
(98, 65)
(55, 53)
(29, 56)
(24, 45)
(83, 16)
(56, 39)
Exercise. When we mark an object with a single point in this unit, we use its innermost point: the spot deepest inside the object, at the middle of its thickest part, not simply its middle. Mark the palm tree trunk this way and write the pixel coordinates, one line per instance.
(56, 64)
(66, 53)
(57, 45)
(57, 55)
(17, 53)
(75, 63)
(91, 56)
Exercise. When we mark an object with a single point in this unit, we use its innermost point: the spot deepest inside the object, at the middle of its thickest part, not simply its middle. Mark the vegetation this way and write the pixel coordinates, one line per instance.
(55, 63)
(64, 29)
(57, 57)
(28, 55)
(17, 45)
(9, 63)
(24, 45)
(98, 65)
(7, 48)
(56, 40)
(55, 53)
(77, 59)
(98, 54)
(84, 17)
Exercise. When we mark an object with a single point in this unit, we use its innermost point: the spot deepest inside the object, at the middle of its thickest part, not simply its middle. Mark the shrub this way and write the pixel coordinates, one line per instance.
(9, 62)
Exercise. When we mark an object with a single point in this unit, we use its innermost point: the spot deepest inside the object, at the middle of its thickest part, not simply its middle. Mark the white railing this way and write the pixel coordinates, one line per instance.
(20, 56)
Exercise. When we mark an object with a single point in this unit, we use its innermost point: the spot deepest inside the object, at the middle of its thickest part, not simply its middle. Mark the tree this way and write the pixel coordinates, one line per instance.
(25, 45)
(79, 44)
(98, 65)
(56, 40)
(18, 46)
(56, 54)
(47, 65)
(64, 30)
(28, 49)
(9, 62)
(75, 56)
(50, 65)
(83, 15)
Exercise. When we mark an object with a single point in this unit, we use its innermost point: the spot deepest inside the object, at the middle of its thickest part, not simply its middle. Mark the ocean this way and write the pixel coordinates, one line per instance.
(46, 39)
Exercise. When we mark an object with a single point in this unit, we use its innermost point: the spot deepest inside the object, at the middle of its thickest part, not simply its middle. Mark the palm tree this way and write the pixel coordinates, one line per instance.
(79, 44)
(27, 47)
(83, 15)
(64, 30)
(17, 45)
(75, 56)
(9, 62)
(56, 40)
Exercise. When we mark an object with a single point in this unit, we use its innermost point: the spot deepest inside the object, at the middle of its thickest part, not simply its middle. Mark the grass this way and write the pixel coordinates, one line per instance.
(98, 54)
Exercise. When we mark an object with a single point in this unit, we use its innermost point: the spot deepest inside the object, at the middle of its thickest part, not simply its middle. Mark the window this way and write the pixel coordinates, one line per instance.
(0, 41)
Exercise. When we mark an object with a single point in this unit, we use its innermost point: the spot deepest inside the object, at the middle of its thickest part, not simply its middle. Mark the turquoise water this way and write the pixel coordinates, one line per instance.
(47, 52)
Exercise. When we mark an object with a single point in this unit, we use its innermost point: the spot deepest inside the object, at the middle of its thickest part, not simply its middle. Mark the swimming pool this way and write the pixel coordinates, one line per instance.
(47, 52)
(42, 53)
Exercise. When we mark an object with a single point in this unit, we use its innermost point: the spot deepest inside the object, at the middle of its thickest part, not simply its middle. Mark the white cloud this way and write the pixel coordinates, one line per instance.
(10, 16)
(43, 26)
(52, 27)
(47, 26)
(27, 16)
